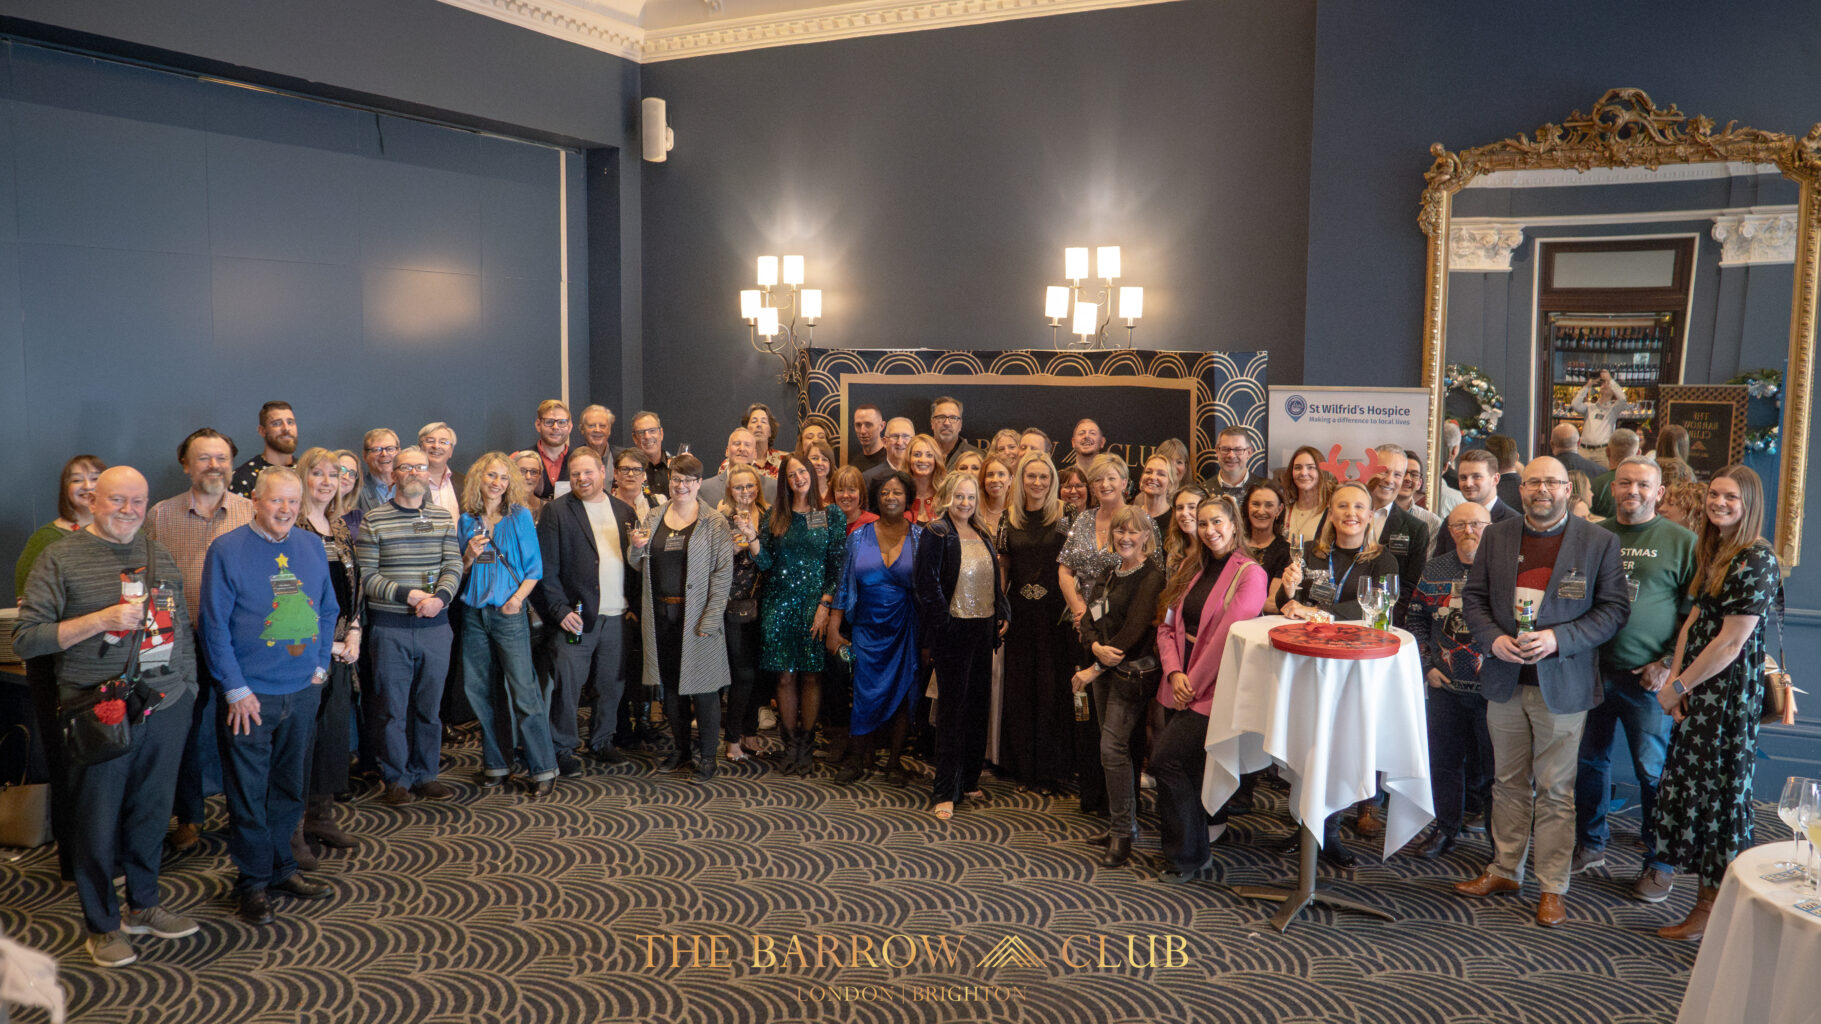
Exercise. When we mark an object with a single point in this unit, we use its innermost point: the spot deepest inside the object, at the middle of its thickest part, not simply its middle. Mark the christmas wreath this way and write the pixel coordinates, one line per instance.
(1763, 386)
(1475, 384)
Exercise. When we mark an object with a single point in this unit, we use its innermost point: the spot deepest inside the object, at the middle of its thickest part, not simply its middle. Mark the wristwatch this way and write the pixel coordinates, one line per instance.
(1681, 690)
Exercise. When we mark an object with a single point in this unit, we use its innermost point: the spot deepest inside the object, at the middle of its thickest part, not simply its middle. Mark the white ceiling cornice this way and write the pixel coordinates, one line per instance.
(615, 26)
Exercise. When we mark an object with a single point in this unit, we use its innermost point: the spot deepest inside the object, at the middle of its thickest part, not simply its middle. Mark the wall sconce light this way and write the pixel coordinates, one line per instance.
(1090, 318)
(773, 310)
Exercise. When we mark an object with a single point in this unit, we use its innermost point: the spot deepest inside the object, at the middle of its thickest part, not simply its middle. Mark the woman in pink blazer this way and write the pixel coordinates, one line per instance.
(1215, 585)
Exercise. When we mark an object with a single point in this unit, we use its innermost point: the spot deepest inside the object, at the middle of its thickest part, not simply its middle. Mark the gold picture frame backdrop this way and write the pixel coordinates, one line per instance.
(1626, 129)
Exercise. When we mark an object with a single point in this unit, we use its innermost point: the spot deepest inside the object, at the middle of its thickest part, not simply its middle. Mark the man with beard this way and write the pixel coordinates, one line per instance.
(1085, 442)
(278, 426)
(945, 427)
(186, 525)
(269, 615)
(410, 569)
(1545, 591)
(1234, 449)
(77, 612)
(648, 438)
(553, 425)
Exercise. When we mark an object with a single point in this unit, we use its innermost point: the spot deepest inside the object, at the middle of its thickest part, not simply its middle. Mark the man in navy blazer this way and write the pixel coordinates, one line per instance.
(583, 537)
(1543, 675)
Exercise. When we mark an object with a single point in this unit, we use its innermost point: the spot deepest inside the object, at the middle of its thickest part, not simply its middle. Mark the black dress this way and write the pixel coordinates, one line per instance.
(1037, 708)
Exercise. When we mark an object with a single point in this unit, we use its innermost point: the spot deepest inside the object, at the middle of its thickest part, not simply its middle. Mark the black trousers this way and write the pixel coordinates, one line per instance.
(743, 699)
(1177, 762)
(963, 653)
(327, 772)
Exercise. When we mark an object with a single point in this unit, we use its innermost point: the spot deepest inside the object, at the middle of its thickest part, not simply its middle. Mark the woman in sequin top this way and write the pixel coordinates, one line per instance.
(803, 547)
(964, 614)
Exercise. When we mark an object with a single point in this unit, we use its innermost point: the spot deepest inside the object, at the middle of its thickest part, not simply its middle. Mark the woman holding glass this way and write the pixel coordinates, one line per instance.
(1716, 693)
(1214, 586)
(877, 600)
(629, 481)
(502, 562)
(1034, 741)
(1339, 563)
(683, 552)
(803, 545)
(1118, 630)
(963, 611)
(324, 512)
(744, 509)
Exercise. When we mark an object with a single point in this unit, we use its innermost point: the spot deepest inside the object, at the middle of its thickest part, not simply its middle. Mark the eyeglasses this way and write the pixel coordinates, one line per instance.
(1472, 527)
(389, 449)
(1227, 449)
(630, 470)
(345, 471)
(554, 423)
(648, 432)
(947, 417)
(1554, 485)
(684, 481)
(411, 468)
(899, 437)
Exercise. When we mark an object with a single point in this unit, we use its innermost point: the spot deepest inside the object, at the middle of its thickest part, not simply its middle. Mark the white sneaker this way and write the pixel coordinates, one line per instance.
(1146, 780)
(111, 949)
(768, 719)
(157, 921)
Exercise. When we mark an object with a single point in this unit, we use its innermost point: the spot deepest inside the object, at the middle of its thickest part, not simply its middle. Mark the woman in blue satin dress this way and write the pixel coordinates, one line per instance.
(877, 600)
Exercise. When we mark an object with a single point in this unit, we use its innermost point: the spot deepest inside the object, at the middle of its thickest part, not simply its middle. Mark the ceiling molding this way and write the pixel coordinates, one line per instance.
(615, 26)
(585, 24)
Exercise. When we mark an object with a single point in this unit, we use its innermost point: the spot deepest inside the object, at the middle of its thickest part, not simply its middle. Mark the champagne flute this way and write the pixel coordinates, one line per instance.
(1786, 809)
(1808, 815)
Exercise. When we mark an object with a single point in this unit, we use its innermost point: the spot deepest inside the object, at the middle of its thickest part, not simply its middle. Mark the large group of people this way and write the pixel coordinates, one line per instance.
(927, 607)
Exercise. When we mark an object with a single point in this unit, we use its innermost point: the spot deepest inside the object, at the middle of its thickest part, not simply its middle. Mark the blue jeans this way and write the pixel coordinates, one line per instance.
(600, 653)
(193, 769)
(517, 715)
(1647, 728)
(265, 774)
(121, 809)
(410, 664)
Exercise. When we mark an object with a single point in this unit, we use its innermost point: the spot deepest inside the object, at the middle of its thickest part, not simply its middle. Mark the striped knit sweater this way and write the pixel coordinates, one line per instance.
(405, 549)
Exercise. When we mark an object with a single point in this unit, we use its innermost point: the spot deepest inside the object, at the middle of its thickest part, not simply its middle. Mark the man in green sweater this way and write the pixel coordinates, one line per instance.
(1658, 556)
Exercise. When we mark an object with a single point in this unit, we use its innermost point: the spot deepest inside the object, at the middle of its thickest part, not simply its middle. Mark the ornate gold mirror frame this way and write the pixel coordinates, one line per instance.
(1625, 129)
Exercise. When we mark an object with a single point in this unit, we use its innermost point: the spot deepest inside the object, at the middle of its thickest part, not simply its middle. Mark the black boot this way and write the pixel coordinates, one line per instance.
(319, 824)
(787, 758)
(1118, 852)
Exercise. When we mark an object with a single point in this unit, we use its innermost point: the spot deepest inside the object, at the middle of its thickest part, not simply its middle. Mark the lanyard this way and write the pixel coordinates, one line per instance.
(1340, 585)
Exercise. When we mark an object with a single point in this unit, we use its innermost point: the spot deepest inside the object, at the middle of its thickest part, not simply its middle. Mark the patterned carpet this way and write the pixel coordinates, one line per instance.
(604, 904)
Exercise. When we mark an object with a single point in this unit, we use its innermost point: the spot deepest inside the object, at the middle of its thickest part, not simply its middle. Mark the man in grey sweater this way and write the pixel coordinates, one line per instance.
(85, 600)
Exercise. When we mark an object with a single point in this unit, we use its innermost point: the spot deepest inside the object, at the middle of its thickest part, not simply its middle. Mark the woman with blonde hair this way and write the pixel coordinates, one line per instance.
(923, 461)
(1156, 483)
(326, 512)
(745, 510)
(1339, 560)
(1716, 692)
(503, 563)
(1005, 445)
(1035, 744)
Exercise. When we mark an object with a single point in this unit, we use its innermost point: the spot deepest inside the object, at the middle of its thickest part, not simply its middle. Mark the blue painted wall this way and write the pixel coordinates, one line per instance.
(933, 178)
(173, 252)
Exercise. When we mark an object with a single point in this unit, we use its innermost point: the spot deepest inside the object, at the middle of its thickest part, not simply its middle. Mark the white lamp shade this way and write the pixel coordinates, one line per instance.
(1107, 256)
(1087, 318)
(1056, 302)
(1131, 303)
(768, 271)
(749, 304)
(793, 270)
(812, 303)
(768, 320)
(1075, 262)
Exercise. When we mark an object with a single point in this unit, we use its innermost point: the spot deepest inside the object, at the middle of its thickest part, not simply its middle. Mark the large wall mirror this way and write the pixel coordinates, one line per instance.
(1655, 246)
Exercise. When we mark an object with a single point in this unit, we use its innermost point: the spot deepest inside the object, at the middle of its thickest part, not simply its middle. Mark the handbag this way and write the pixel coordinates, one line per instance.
(1779, 690)
(25, 807)
(743, 609)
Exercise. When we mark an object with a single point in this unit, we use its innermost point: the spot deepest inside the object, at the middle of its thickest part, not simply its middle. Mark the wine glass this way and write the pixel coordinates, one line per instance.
(1371, 600)
(1808, 815)
(1786, 809)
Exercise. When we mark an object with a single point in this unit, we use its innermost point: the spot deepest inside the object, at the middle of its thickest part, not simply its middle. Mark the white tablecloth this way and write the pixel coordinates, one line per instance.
(1761, 957)
(1333, 724)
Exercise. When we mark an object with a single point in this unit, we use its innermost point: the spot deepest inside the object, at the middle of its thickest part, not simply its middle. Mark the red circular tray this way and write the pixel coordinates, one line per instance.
(1342, 640)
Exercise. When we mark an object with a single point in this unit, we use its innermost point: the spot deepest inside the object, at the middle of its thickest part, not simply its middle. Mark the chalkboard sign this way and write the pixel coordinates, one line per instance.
(1714, 416)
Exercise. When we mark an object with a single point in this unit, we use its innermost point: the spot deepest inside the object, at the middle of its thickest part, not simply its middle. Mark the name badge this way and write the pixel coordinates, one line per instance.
(1323, 593)
(423, 526)
(675, 542)
(1399, 543)
(1573, 587)
(486, 556)
(818, 520)
(1631, 587)
(164, 597)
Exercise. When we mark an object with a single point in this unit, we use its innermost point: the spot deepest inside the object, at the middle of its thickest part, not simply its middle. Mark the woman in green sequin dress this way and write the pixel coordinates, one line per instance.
(801, 557)
(1703, 808)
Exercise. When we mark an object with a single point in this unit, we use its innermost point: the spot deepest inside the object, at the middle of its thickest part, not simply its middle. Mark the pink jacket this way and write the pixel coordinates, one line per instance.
(1211, 637)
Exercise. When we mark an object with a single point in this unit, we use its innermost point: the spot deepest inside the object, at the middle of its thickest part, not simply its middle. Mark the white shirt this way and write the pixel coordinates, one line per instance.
(1306, 522)
(1601, 416)
(1376, 528)
(607, 543)
(443, 493)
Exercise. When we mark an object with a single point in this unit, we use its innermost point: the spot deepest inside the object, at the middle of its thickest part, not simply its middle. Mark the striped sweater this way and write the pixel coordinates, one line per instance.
(404, 549)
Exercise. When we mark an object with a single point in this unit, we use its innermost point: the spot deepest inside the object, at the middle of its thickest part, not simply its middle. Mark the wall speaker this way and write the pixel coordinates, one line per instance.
(655, 136)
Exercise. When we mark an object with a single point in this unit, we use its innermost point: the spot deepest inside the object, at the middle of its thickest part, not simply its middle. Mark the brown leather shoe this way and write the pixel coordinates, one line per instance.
(1487, 884)
(1695, 924)
(1549, 912)
(1368, 823)
(185, 836)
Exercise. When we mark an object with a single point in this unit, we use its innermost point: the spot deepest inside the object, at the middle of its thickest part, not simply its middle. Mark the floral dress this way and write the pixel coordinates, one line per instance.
(1704, 810)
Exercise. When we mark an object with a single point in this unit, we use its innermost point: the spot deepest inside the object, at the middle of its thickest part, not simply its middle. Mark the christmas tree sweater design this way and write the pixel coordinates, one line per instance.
(268, 610)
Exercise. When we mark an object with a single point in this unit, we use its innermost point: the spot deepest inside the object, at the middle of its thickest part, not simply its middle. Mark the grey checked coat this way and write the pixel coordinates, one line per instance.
(710, 557)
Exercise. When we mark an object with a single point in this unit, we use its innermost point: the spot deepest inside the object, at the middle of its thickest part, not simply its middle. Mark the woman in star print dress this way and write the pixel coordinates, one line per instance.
(1716, 694)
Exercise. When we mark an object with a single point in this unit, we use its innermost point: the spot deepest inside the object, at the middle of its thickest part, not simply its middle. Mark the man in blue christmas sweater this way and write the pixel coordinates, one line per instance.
(268, 613)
